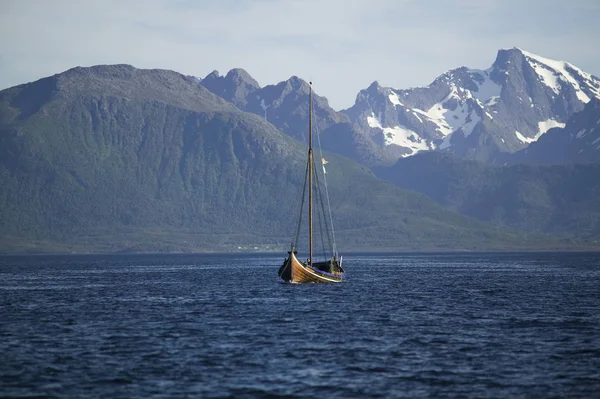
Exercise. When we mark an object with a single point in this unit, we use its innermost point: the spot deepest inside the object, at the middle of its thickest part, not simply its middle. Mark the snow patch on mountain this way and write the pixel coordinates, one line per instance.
(593, 85)
(436, 115)
(393, 96)
(400, 136)
(471, 121)
(453, 112)
(524, 139)
(547, 76)
(553, 72)
(417, 116)
(546, 125)
(486, 87)
(492, 101)
(447, 120)
(543, 127)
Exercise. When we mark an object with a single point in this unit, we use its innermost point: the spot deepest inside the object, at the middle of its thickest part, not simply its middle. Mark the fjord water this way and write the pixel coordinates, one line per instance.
(402, 325)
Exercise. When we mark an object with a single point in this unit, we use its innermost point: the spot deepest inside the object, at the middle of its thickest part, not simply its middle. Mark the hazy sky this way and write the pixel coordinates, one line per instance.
(342, 45)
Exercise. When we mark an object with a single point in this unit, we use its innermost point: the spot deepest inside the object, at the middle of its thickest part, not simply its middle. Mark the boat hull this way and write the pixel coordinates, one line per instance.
(294, 271)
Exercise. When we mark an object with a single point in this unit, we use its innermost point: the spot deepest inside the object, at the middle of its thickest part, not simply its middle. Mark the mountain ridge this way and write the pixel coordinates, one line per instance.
(478, 114)
(558, 199)
(118, 159)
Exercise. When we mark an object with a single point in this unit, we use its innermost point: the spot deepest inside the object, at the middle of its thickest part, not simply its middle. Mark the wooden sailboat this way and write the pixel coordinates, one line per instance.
(329, 270)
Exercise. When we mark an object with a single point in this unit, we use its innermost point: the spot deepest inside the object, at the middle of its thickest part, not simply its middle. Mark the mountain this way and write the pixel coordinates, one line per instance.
(114, 158)
(285, 105)
(555, 199)
(577, 142)
(235, 87)
(476, 114)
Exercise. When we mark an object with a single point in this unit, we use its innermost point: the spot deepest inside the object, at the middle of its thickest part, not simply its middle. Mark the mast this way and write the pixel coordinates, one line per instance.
(310, 176)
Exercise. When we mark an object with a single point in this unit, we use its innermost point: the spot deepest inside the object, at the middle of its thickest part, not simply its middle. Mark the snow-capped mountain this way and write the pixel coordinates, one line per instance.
(477, 113)
(577, 142)
(480, 114)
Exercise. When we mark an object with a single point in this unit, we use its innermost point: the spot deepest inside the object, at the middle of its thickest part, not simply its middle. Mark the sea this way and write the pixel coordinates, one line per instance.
(404, 325)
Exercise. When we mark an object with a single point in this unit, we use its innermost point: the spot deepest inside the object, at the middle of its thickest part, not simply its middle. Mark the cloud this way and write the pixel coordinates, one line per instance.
(341, 44)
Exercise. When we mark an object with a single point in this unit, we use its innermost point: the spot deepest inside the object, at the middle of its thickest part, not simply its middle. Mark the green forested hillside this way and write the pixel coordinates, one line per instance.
(119, 159)
(553, 199)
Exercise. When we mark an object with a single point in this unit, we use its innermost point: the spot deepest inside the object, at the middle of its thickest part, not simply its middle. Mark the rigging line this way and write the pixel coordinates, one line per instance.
(321, 217)
(321, 222)
(326, 190)
(323, 213)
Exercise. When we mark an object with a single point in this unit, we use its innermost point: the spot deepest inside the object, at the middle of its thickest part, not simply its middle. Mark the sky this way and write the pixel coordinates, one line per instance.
(341, 45)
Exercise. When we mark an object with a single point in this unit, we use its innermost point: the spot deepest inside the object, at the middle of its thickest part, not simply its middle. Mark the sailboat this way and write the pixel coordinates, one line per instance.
(328, 270)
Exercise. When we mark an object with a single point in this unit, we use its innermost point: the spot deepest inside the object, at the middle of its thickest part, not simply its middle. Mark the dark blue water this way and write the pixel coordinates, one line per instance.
(477, 325)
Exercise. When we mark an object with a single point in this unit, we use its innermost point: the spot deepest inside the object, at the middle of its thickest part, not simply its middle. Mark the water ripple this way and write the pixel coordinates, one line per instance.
(450, 325)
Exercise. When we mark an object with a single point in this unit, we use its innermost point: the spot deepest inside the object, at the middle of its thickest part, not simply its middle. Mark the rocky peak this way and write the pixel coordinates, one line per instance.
(213, 75)
(240, 76)
(117, 71)
(233, 87)
(296, 84)
(506, 57)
